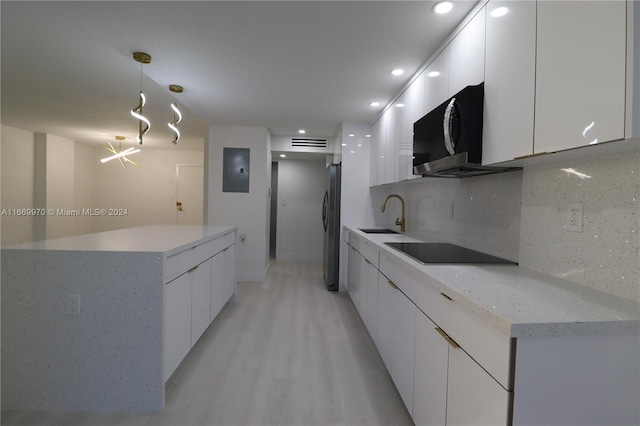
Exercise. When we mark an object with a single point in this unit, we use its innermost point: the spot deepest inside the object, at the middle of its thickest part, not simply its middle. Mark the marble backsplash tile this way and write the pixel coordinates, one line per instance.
(481, 213)
(606, 254)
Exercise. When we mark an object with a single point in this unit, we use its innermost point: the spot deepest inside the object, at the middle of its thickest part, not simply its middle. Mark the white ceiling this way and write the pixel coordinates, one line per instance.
(67, 67)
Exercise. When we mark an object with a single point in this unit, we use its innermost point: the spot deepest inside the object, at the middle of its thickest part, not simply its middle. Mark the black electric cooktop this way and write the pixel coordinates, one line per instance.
(446, 253)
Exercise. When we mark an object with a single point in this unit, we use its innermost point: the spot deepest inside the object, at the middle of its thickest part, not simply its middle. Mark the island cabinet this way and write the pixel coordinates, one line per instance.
(194, 298)
(146, 295)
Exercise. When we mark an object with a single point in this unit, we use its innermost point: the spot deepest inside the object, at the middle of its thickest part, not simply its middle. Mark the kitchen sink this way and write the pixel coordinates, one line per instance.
(378, 231)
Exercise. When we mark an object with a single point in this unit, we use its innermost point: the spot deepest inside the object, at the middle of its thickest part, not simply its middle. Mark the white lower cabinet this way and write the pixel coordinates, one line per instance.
(396, 333)
(200, 296)
(372, 301)
(473, 396)
(177, 322)
(217, 297)
(194, 298)
(430, 383)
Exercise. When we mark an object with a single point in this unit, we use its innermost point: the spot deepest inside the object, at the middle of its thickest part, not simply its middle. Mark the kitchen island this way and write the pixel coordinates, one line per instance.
(99, 322)
(471, 344)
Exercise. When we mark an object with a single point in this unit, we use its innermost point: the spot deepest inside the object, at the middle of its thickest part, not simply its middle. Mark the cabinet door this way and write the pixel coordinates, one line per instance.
(391, 145)
(415, 111)
(386, 295)
(430, 386)
(200, 300)
(509, 83)
(404, 138)
(230, 272)
(378, 143)
(372, 302)
(353, 277)
(580, 74)
(363, 278)
(403, 346)
(217, 284)
(177, 328)
(467, 55)
(473, 396)
(436, 83)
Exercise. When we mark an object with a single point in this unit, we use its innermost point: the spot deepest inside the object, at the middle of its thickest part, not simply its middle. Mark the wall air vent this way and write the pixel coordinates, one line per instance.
(309, 143)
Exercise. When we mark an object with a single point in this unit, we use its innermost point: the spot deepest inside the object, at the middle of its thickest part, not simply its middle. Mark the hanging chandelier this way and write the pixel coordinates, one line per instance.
(119, 153)
(177, 115)
(143, 123)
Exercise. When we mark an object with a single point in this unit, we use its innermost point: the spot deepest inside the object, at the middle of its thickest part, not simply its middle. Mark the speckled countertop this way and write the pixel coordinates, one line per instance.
(520, 302)
(167, 239)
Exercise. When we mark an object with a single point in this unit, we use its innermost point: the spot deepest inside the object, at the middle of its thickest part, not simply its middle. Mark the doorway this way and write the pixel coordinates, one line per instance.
(189, 194)
(273, 225)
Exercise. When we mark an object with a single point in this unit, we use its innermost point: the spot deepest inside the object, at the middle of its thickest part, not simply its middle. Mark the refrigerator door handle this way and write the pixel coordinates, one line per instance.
(324, 210)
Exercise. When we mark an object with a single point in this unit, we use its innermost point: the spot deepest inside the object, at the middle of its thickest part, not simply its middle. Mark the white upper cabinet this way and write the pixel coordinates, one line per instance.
(414, 112)
(404, 135)
(436, 82)
(580, 73)
(391, 146)
(378, 142)
(467, 55)
(509, 84)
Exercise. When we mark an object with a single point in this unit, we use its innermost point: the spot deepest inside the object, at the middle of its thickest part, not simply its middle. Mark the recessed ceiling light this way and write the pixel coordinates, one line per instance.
(397, 71)
(399, 105)
(351, 135)
(344, 144)
(302, 131)
(375, 104)
(367, 136)
(359, 144)
(499, 11)
(283, 155)
(443, 7)
(433, 74)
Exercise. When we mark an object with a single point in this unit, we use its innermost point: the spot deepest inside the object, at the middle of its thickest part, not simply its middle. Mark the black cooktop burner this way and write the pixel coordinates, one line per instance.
(446, 253)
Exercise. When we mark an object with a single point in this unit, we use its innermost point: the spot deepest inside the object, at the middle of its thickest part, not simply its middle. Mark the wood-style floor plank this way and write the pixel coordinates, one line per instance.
(282, 352)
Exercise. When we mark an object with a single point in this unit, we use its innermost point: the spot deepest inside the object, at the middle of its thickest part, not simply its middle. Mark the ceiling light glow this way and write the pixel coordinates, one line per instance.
(283, 156)
(433, 74)
(375, 104)
(302, 131)
(397, 71)
(443, 7)
(351, 135)
(399, 105)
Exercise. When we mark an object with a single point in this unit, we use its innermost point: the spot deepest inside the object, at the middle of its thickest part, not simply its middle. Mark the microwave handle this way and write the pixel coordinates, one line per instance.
(447, 124)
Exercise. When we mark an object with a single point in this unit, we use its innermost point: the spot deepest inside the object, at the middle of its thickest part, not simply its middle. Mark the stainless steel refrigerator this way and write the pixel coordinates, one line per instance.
(331, 222)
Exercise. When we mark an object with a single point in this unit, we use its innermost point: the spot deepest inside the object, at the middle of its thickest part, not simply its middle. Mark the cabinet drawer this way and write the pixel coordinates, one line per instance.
(398, 273)
(179, 263)
(370, 252)
(486, 345)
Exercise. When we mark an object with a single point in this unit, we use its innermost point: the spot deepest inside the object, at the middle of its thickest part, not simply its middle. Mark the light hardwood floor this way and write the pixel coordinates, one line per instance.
(283, 352)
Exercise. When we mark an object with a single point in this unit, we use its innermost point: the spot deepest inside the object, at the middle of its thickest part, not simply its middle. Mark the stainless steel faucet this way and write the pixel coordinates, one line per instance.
(399, 221)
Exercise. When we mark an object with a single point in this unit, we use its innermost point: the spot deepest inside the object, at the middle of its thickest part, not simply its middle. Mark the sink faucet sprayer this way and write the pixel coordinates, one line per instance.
(399, 221)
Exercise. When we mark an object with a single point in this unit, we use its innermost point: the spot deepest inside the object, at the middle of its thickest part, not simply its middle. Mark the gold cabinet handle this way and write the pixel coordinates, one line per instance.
(445, 296)
(537, 154)
(366, 260)
(392, 284)
(446, 337)
(192, 269)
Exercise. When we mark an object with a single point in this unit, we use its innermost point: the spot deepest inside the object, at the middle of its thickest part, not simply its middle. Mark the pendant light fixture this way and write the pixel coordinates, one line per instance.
(119, 153)
(143, 123)
(177, 115)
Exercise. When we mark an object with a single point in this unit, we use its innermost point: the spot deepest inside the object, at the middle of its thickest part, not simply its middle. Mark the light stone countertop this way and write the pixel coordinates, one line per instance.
(520, 302)
(167, 239)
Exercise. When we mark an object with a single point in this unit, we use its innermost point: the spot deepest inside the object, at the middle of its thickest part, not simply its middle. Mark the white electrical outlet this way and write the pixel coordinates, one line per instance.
(73, 304)
(574, 217)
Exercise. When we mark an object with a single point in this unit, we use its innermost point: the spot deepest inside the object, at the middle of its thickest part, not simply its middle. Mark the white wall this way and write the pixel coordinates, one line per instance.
(301, 187)
(147, 192)
(248, 211)
(17, 170)
(84, 170)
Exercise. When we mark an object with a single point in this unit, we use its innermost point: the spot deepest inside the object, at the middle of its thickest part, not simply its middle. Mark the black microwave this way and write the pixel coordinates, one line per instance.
(447, 142)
